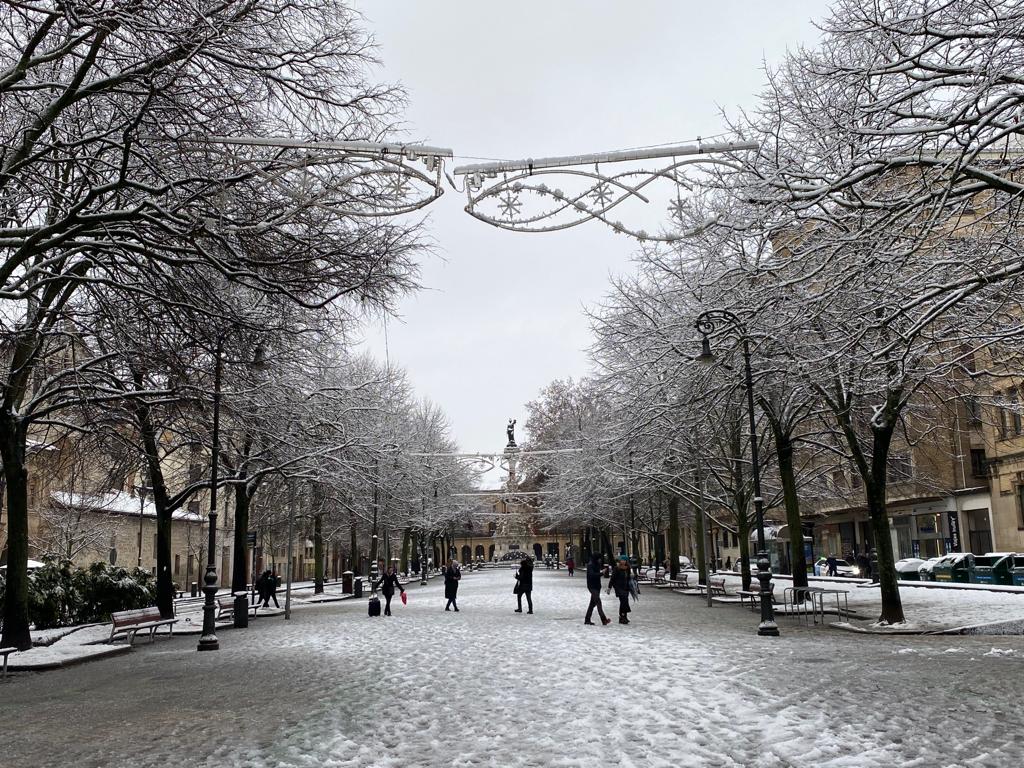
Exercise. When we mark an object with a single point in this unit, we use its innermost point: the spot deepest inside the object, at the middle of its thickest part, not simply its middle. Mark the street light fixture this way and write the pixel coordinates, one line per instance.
(708, 323)
(208, 639)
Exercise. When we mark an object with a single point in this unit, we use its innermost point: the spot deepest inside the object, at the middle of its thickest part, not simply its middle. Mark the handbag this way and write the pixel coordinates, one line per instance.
(405, 599)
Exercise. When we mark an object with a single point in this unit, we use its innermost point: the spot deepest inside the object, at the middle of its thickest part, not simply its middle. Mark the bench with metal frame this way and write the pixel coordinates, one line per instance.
(5, 652)
(226, 608)
(754, 595)
(130, 623)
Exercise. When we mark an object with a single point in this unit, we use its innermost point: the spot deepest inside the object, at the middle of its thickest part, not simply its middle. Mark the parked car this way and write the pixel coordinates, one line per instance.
(843, 568)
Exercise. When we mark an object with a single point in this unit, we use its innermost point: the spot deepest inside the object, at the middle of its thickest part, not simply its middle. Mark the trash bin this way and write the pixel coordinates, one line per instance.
(907, 569)
(992, 568)
(954, 567)
(346, 582)
(358, 587)
(1017, 570)
(195, 589)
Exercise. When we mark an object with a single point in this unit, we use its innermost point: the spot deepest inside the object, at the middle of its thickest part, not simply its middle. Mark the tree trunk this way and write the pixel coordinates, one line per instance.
(784, 451)
(12, 448)
(702, 553)
(673, 536)
(150, 447)
(240, 565)
(875, 491)
(353, 549)
(403, 564)
(743, 532)
(318, 554)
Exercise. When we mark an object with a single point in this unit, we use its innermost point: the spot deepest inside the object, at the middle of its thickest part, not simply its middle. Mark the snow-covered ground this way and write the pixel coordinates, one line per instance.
(683, 685)
(926, 608)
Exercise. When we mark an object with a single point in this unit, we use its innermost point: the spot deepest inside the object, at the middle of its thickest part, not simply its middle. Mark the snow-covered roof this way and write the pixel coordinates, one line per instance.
(117, 503)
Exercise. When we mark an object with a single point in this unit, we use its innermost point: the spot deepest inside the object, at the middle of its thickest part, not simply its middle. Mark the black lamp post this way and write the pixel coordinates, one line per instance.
(707, 323)
(208, 640)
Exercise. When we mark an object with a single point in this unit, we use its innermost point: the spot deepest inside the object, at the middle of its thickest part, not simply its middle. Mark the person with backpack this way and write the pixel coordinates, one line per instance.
(451, 586)
(387, 584)
(594, 570)
(624, 585)
(524, 584)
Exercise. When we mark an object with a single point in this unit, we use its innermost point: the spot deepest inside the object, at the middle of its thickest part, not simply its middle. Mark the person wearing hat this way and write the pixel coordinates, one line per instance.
(620, 582)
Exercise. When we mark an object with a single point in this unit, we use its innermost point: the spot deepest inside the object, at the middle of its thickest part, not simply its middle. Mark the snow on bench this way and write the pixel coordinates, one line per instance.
(5, 652)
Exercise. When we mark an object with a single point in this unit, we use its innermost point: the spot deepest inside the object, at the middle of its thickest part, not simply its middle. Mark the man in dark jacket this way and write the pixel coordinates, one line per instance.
(594, 569)
(387, 584)
(451, 586)
(620, 582)
(524, 584)
(832, 564)
(864, 563)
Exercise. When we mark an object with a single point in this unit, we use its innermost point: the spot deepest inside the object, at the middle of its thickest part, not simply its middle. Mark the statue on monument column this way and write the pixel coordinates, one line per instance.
(510, 430)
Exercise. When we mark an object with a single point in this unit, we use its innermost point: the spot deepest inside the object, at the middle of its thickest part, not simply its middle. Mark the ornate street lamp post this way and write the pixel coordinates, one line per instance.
(208, 640)
(707, 323)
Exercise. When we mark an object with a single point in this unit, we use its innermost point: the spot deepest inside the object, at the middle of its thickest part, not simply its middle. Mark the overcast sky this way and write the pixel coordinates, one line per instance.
(501, 315)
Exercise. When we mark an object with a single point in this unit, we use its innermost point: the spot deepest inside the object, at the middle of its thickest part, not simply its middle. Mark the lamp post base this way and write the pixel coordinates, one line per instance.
(767, 627)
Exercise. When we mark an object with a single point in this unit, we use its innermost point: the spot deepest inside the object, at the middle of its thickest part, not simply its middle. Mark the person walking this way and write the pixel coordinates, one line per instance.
(524, 584)
(594, 570)
(864, 563)
(451, 586)
(272, 582)
(621, 582)
(263, 589)
(387, 585)
(570, 563)
(833, 565)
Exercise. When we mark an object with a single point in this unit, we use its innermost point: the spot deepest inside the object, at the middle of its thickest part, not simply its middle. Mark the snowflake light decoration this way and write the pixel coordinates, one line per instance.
(677, 210)
(398, 185)
(602, 194)
(509, 204)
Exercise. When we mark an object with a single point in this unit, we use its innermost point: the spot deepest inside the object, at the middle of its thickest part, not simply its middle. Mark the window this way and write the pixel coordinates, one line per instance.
(725, 537)
(193, 507)
(195, 472)
(1015, 411)
(900, 467)
(154, 544)
(1002, 422)
(1020, 506)
(735, 540)
(177, 566)
(979, 466)
(973, 410)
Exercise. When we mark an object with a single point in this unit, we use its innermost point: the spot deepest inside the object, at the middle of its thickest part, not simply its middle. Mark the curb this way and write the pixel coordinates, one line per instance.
(115, 650)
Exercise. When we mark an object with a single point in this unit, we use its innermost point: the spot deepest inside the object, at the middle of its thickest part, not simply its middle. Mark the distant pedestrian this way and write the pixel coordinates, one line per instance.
(524, 584)
(832, 564)
(728, 563)
(387, 584)
(270, 589)
(263, 589)
(451, 585)
(594, 571)
(864, 563)
(622, 582)
(570, 563)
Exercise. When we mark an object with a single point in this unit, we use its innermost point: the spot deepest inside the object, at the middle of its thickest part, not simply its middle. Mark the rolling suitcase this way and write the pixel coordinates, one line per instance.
(374, 606)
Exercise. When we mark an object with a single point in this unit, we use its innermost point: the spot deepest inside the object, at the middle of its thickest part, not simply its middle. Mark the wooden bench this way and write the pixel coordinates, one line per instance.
(5, 652)
(754, 595)
(681, 581)
(716, 585)
(226, 608)
(129, 623)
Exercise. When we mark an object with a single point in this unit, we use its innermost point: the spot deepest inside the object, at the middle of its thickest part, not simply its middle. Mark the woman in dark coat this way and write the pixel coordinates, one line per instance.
(594, 570)
(619, 581)
(451, 586)
(387, 584)
(524, 584)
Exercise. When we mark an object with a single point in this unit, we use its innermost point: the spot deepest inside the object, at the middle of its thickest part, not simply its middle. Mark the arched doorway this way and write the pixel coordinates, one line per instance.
(479, 550)
(467, 554)
(538, 552)
(490, 552)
